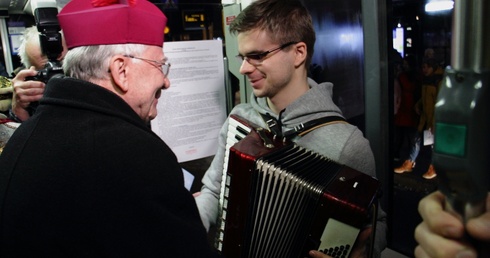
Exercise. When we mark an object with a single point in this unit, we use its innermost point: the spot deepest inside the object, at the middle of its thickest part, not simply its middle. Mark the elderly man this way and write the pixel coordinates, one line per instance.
(85, 176)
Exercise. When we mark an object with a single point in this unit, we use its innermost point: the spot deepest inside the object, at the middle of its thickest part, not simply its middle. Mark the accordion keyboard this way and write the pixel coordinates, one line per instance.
(237, 130)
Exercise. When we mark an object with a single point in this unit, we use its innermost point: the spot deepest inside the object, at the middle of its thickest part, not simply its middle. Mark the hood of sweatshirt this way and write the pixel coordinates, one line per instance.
(315, 103)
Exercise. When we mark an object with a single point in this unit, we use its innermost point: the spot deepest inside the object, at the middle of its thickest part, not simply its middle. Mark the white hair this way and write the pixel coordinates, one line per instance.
(92, 62)
(29, 37)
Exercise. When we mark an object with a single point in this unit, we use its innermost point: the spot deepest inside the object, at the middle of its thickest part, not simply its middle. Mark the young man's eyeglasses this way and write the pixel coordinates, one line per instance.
(256, 59)
(165, 66)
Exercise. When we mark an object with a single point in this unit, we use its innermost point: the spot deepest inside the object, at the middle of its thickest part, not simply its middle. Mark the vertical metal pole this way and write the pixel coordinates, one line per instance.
(6, 46)
(377, 100)
(471, 35)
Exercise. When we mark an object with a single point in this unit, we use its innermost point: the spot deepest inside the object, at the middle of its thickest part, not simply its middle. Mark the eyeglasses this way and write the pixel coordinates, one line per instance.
(256, 59)
(164, 66)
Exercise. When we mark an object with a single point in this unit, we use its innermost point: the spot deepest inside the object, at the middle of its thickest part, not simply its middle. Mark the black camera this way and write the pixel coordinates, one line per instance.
(51, 42)
(51, 46)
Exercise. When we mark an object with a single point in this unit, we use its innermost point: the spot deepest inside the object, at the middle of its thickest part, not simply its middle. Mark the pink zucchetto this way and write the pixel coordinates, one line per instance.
(104, 22)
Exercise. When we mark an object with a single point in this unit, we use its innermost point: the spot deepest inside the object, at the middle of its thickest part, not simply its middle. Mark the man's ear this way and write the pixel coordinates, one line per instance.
(301, 52)
(118, 70)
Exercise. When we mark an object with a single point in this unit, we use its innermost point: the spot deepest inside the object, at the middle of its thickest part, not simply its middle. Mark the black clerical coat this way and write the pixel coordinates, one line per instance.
(86, 177)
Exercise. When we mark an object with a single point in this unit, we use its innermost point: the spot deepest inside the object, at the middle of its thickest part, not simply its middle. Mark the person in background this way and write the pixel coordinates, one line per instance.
(430, 53)
(30, 52)
(441, 234)
(425, 107)
(85, 176)
(17, 94)
(29, 91)
(407, 119)
(275, 46)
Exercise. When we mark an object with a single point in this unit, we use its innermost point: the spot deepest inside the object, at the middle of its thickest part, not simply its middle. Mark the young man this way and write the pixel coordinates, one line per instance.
(85, 176)
(275, 43)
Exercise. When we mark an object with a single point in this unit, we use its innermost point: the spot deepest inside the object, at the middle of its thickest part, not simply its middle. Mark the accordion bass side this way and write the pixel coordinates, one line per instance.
(281, 200)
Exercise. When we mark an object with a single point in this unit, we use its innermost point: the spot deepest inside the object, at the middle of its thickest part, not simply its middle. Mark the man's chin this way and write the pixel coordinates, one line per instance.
(258, 93)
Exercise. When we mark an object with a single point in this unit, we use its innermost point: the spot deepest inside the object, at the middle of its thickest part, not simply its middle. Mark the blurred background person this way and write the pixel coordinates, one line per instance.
(27, 91)
(424, 107)
(407, 138)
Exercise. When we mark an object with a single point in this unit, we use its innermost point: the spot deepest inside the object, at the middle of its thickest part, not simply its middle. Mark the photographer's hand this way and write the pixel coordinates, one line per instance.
(25, 92)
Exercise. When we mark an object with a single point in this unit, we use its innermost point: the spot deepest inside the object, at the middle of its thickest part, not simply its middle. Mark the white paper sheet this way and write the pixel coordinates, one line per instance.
(192, 111)
(428, 138)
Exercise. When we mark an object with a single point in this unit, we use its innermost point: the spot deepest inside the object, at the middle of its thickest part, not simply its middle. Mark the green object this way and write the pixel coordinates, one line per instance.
(450, 139)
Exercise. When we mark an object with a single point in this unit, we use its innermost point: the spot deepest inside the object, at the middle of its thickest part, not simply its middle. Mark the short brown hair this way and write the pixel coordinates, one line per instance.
(284, 21)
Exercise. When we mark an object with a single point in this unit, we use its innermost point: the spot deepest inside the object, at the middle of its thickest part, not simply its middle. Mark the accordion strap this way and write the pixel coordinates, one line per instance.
(302, 128)
(309, 126)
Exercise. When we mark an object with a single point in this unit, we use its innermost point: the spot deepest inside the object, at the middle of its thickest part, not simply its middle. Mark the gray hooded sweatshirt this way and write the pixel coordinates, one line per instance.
(341, 142)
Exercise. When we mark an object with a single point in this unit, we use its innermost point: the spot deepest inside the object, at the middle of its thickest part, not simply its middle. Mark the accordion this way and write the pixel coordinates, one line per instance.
(281, 200)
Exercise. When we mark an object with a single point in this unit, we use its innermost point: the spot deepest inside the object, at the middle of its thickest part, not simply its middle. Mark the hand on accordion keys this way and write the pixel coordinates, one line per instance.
(359, 250)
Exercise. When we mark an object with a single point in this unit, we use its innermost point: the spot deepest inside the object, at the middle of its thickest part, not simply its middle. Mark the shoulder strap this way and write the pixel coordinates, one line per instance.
(309, 126)
(273, 124)
(301, 129)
